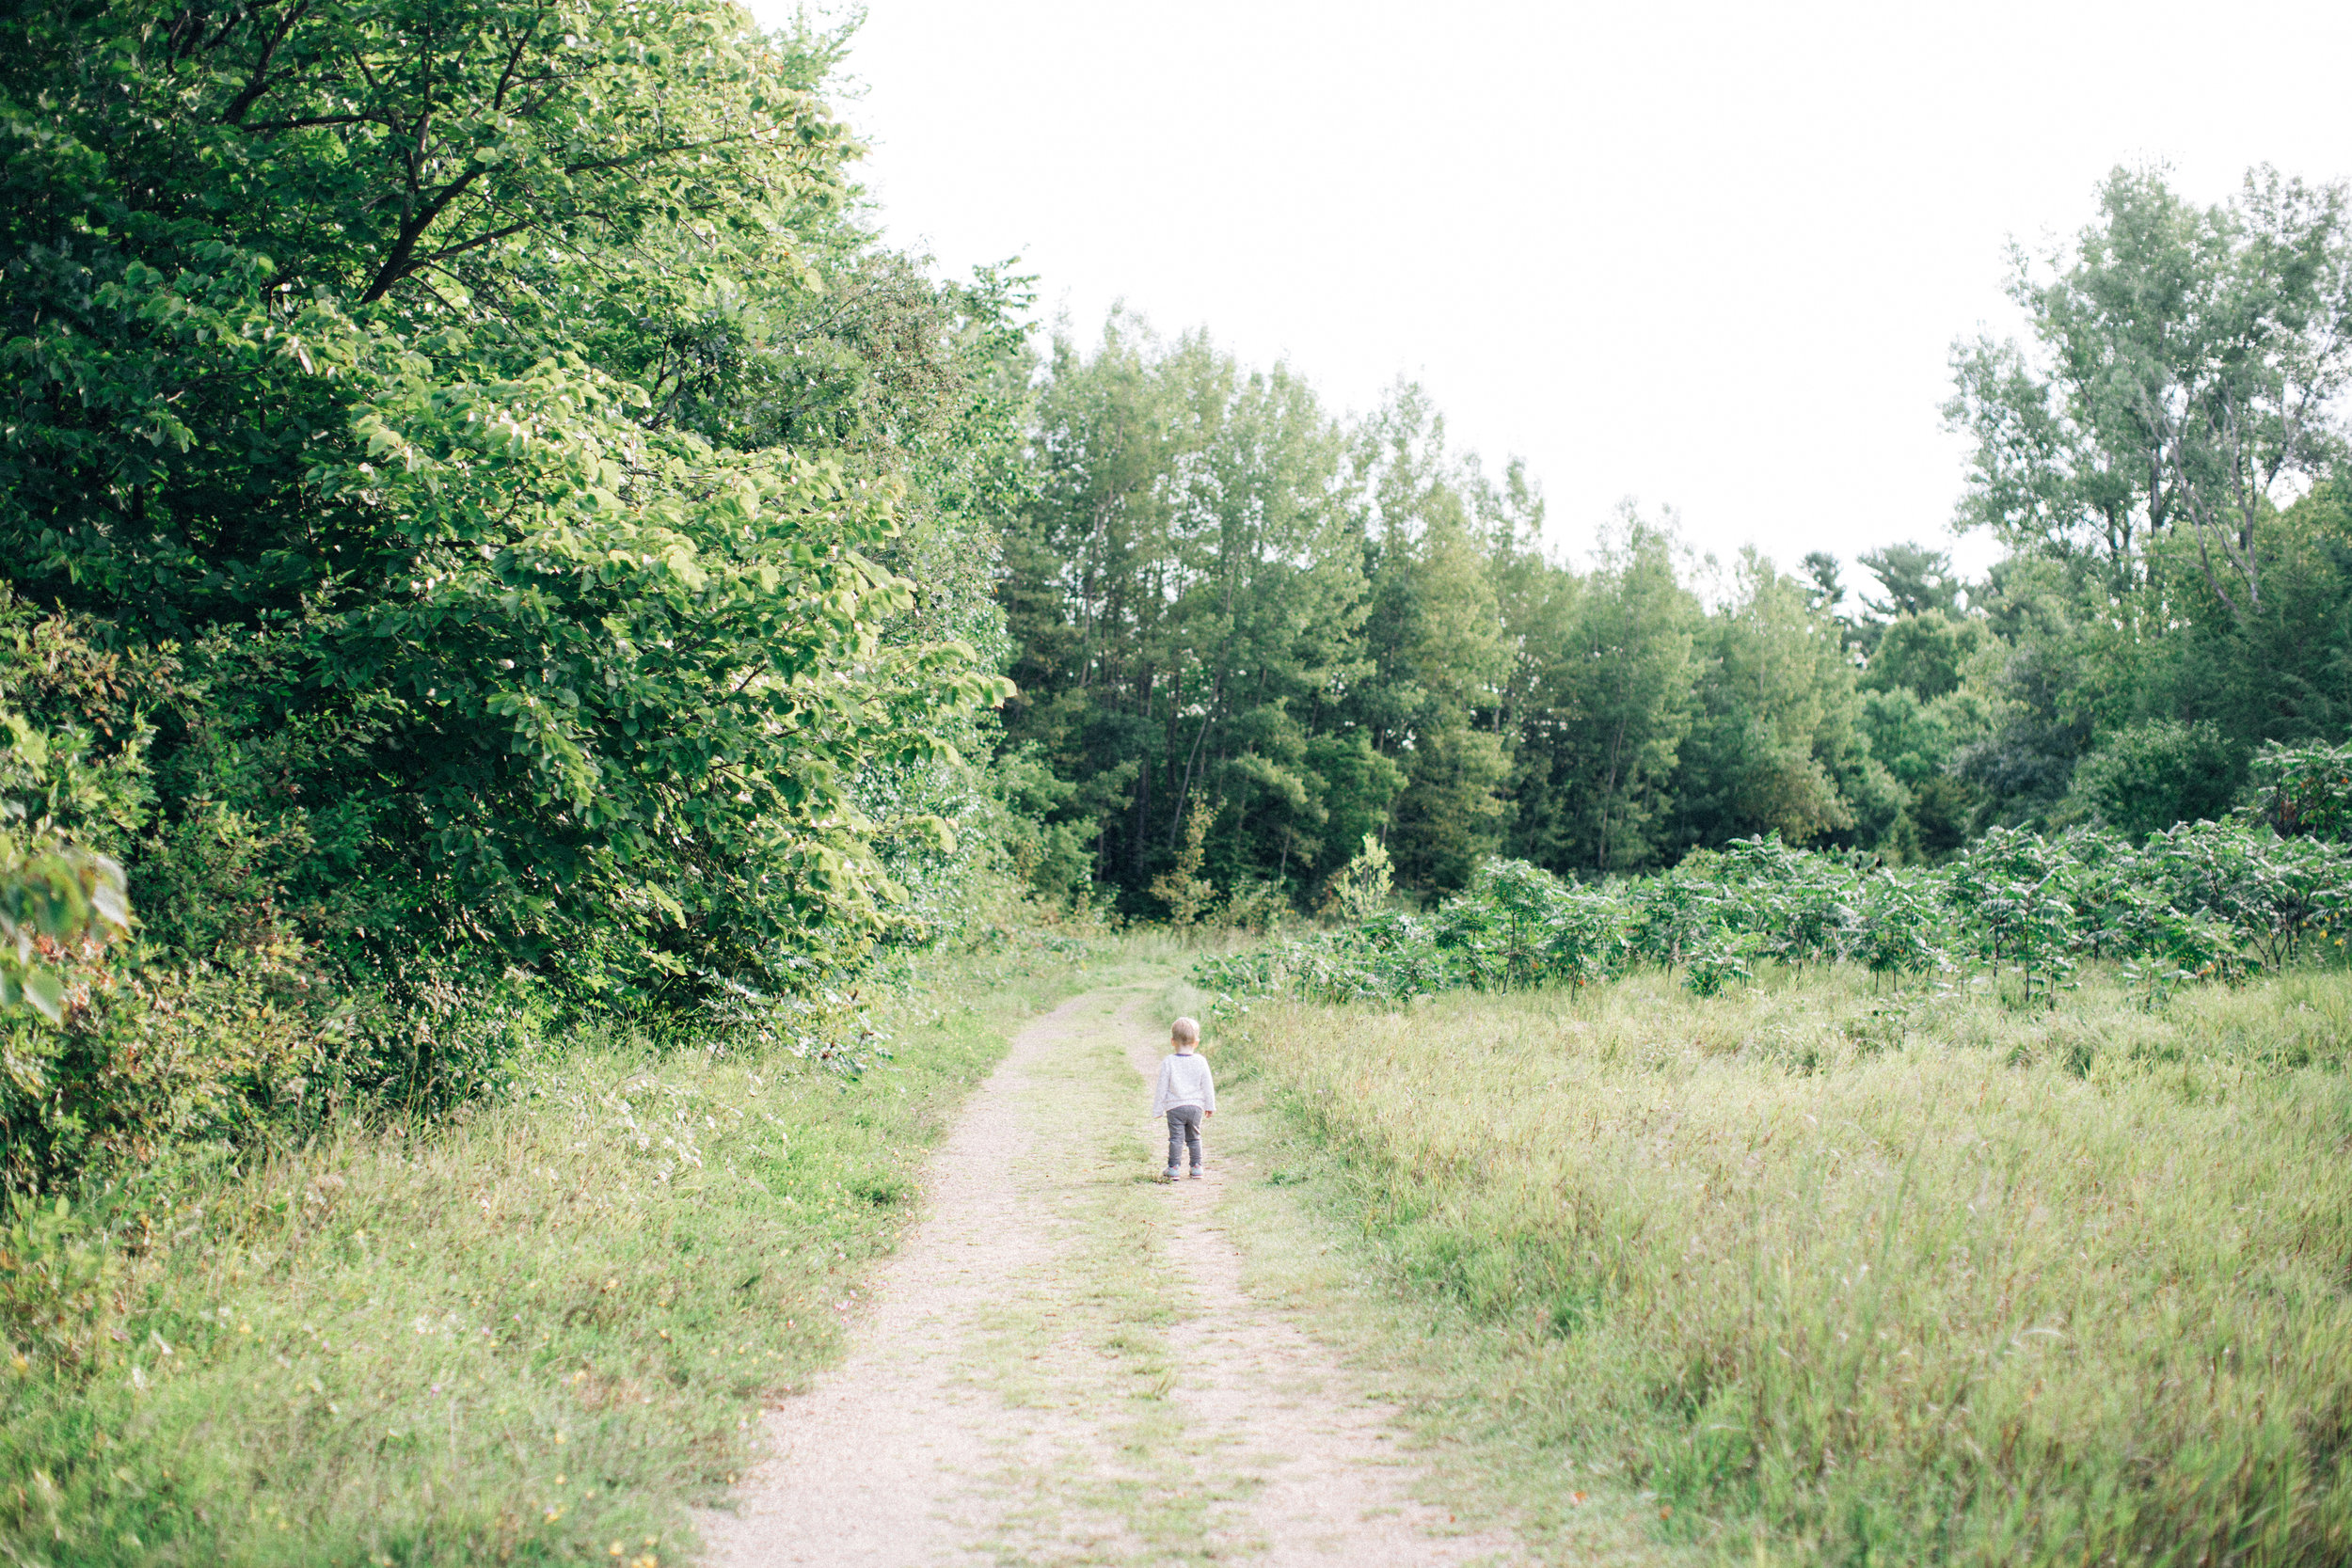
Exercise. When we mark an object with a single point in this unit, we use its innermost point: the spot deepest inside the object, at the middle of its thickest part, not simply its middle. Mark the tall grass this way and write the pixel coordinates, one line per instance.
(531, 1335)
(1852, 1277)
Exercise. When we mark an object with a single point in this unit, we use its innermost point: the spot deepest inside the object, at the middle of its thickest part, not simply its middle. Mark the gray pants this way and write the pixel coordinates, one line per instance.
(1183, 1132)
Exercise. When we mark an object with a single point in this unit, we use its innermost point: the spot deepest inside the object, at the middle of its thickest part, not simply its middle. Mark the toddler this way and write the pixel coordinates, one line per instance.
(1185, 1095)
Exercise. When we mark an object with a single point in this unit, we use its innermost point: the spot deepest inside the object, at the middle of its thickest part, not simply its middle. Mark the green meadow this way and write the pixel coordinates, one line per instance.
(529, 1333)
(1826, 1273)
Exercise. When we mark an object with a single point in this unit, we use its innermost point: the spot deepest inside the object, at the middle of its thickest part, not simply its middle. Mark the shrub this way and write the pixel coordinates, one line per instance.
(1897, 927)
(1187, 894)
(2202, 901)
(1359, 888)
(2303, 790)
(1257, 905)
(2147, 778)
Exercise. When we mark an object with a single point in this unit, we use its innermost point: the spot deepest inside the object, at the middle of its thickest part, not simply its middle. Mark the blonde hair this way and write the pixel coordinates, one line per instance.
(1186, 1029)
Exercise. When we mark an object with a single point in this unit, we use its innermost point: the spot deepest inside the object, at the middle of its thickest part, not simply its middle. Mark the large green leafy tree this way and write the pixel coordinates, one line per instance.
(1435, 642)
(2185, 366)
(1187, 601)
(1775, 744)
(410, 366)
(1095, 568)
(2158, 460)
(1615, 662)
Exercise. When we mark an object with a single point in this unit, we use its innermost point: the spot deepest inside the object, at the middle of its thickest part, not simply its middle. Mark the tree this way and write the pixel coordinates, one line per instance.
(1926, 651)
(2042, 691)
(1774, 742)
(2145, 779)
(1434, 639)
(1827, 589)
(1186, 598)
(394, 364)
(1180, 887)
(1914, 579)
(223, 211)
(1358, 890)
(2189, 360)
(1601, 729)
(1917, 743)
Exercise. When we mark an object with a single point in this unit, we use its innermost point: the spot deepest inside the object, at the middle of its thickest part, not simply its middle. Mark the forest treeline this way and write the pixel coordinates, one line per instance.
(490, 536)
(1224, 600)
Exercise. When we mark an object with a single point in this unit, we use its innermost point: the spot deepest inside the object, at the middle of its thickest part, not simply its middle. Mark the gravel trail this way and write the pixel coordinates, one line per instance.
(1060, 1366)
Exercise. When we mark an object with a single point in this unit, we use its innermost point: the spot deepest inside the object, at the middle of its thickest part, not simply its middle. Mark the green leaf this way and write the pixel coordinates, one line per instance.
(46, 995)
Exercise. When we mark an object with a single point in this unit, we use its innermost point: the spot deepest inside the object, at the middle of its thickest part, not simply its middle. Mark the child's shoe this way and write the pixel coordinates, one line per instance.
(1196, 1174)
(1170, 1176)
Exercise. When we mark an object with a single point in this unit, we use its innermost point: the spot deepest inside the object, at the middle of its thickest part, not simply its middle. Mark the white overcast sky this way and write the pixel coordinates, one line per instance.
(1711, 256)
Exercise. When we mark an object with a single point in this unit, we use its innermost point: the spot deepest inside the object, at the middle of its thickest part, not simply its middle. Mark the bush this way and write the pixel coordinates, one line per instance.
(2304, 790)
(2147, 778)
(1359, 888)
(1257, 905)
(2202, 901)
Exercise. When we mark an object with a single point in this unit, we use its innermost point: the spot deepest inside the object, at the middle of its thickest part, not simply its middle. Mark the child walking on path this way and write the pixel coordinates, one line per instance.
(1186, 1094)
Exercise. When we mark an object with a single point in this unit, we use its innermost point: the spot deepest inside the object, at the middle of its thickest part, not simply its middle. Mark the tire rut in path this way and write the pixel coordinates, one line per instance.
(1037, 1382)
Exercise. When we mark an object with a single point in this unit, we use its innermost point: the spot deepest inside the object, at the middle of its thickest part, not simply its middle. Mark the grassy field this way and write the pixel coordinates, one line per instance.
(1808, 1273)
(530, 1335)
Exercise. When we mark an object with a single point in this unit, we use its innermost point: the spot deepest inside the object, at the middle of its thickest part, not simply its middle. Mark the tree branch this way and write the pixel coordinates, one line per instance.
(260, 81)
(402, 260)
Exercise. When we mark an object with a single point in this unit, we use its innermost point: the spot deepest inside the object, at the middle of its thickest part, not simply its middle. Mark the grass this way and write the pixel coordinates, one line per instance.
(1807, 1272)
(1092, 1340)
(531, 1335)
(1105, 1470)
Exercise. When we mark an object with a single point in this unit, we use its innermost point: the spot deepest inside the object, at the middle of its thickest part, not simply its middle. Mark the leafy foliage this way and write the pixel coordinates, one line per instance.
(2305, 790)
(463, 603)
(1339, 626)
(2208, 901)
(1181, 888)
(1363, 885)
(2155, 775)
(56, 903)
(2187, 359)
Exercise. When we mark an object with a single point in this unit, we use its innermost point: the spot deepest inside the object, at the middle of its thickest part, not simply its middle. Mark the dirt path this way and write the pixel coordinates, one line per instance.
(1060, 1365)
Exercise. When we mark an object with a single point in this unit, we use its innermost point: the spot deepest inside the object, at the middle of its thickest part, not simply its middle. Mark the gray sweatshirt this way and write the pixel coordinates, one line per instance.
(1184, 1080)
